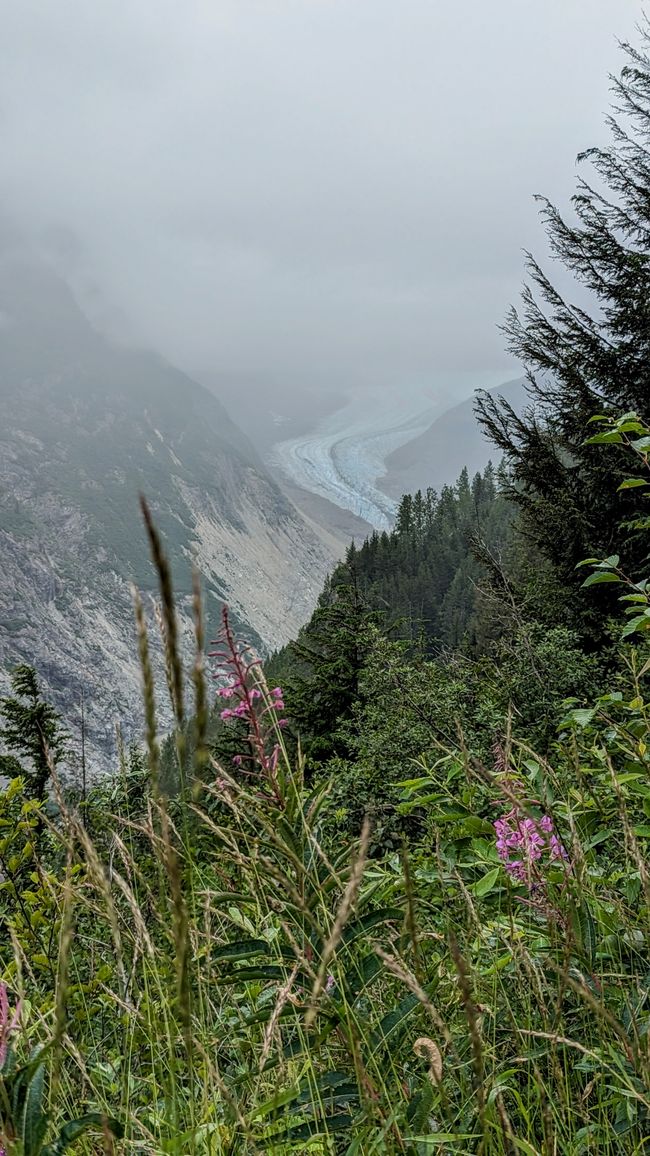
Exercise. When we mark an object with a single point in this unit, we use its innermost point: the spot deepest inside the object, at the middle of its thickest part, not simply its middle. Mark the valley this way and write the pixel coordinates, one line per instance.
(381, 444)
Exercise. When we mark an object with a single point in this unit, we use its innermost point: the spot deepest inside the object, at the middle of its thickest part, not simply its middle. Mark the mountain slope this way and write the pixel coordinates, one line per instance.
(452, 441)
(85, 426)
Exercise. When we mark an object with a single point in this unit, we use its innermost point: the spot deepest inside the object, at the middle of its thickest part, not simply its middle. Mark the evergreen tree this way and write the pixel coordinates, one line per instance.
(328, 658)
(404, 518)
(31, 729)
(584, 360)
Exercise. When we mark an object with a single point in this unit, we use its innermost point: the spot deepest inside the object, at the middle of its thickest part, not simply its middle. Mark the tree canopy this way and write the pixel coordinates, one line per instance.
(586, 351)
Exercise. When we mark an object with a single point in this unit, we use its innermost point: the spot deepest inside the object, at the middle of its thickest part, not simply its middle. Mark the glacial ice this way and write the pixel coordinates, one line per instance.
(343, 458)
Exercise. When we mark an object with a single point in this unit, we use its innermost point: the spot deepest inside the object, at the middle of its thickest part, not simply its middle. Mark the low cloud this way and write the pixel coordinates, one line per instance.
(326, 190)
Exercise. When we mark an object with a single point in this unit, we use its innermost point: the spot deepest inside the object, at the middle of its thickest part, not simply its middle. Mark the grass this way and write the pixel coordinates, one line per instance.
(214, 974)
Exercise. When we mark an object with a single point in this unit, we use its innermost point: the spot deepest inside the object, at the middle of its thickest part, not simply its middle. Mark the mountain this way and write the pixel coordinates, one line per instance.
(277, 408)
(85, 426)
(452, 441)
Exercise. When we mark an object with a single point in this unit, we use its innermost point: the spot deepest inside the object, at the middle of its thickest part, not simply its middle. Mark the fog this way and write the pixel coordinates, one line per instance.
(300, 192)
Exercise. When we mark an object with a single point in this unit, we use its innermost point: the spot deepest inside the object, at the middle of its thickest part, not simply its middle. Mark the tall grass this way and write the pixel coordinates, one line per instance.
(222, 981)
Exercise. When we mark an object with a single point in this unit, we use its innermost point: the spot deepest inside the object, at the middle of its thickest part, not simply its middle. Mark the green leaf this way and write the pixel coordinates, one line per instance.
(630, 423)
(587, 937)
(34, 1121)
(600, 577)
(641, 622)
(363, 973)
(76, 1128)
(263, 1016)
(485, 885)
(642, 445)
(633, 483)
(596, 839)
(435, 1139)
(332, 1089)
(361, 926)
(419, 1109)
(582, 717)
(242, 949)
(279, 1100)
(610, 437)
(394, 1021)
(249, 974)
(340, 1122)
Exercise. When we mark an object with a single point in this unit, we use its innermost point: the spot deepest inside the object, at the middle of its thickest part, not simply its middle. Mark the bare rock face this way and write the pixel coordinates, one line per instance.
(85, 427)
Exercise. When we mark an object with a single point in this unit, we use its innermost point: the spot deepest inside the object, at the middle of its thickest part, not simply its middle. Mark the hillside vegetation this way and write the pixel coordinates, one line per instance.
(392, 895)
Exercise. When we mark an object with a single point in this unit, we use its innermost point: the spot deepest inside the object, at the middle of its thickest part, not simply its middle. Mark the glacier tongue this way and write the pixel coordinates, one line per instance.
(343, 458)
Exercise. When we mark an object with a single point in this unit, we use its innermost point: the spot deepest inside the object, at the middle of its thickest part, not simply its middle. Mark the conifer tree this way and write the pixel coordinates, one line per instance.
(588, 353)
(404, 516)
(330, 653)
(30, 729)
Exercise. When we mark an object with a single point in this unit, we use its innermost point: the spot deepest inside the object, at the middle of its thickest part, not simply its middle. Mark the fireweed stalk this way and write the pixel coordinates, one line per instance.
(252, 704)
(524, 844)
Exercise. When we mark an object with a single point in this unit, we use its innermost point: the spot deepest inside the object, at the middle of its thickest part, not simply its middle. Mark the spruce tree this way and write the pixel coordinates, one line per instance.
(586, 356)
(329, 656)
(30, 729)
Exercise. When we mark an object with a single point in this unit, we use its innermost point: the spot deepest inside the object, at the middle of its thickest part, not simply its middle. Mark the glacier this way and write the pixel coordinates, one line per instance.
(343, 458)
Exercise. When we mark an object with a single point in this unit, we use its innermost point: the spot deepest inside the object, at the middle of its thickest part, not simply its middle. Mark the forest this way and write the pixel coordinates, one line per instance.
(389, 890)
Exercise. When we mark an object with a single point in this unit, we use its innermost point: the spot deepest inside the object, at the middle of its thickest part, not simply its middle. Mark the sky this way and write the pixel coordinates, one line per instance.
(332, 191)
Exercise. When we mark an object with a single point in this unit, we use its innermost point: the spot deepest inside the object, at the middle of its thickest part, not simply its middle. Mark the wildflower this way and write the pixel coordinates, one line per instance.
(8, 1022)
(521, 842)
(253, 705)
(330, 984)
(558, 851)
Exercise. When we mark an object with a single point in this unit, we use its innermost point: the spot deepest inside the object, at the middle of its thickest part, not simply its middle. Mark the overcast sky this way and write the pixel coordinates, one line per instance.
(337, 189)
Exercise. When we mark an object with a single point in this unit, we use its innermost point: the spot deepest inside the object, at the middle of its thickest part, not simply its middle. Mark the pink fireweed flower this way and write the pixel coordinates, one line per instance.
(521, 843)
(8, 1022)
(254, 706)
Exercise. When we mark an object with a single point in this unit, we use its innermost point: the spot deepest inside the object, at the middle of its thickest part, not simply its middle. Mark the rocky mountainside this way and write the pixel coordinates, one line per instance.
(452, 441)
(85, 426)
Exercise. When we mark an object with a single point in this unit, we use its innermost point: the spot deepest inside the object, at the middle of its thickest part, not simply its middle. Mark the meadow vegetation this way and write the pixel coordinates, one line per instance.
(438, 942)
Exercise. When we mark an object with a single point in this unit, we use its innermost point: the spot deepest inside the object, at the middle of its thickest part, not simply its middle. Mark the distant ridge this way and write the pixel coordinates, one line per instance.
(452, 441)
(85, 426)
